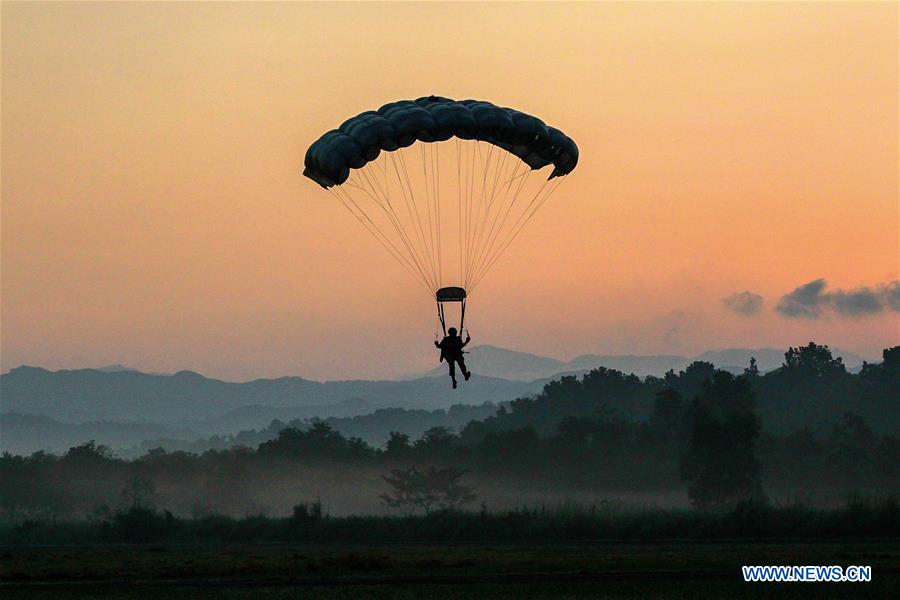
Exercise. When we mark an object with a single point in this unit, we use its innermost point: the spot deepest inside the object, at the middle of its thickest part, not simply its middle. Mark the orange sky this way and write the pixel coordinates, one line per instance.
(153, 211)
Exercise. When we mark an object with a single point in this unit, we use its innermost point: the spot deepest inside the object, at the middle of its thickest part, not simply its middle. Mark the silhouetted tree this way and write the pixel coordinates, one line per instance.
(427, 490)
(720, 466)
(753, 370)
(397, 445)
(90, 452)
(668, 422)
(320, 440)
(511, 448)
(305, 513)
(879, 391)
(851, 452)
(812, 387)
(357, 448)
(690, 382)
(812, 360)
(437, 442)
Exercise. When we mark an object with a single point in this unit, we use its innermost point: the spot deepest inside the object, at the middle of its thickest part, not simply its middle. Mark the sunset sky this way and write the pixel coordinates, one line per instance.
(154, 213)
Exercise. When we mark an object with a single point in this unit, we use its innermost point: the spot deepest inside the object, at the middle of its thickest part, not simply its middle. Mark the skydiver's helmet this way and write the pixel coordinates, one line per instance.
(452, 331)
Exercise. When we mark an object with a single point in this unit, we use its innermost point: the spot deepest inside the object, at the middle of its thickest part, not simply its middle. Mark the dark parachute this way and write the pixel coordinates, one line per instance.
(361, 139)
(447, 209)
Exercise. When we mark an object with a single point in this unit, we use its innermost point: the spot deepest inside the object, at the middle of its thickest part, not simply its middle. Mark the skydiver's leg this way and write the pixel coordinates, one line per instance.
(462, 366)
(452, 364)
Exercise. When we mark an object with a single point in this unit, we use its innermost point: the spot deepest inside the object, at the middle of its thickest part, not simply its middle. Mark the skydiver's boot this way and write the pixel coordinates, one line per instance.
(467, 374)
(454, 382)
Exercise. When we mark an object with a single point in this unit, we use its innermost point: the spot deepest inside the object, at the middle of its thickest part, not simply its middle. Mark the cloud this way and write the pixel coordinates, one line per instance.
(744, 303)
(857, 302)
(804, 302)
(812, 300)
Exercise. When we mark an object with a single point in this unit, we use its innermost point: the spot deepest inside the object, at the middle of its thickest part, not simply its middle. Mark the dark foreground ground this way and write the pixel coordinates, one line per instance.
(588, 570)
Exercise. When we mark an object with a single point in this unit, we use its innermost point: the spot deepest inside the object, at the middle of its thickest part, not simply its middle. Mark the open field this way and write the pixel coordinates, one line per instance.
(604, 569)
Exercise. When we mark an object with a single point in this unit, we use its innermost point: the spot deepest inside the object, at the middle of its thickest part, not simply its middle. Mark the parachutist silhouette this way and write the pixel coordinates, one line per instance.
(452, 350)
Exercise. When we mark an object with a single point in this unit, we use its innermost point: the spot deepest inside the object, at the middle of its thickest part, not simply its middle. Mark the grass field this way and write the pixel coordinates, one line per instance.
(622, 570)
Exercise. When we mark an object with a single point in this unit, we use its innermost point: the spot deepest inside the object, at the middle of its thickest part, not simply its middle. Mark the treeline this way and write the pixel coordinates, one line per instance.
(811, 390)
(374, 427)
(700, 429)
(748, 520)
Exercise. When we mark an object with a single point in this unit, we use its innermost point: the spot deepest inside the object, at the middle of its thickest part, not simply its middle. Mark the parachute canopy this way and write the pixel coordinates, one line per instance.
(447, 208)
(435, 119)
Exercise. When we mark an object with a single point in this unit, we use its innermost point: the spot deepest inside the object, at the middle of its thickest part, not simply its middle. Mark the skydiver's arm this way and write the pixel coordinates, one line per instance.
(468, 339)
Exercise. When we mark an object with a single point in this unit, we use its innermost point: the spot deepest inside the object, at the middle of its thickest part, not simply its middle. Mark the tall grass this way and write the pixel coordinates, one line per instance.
(859, 518)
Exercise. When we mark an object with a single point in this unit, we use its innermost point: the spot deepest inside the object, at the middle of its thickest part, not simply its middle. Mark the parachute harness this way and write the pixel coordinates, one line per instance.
(462, 316)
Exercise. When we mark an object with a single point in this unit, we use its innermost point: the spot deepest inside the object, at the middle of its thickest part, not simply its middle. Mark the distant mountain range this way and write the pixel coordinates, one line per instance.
(186, 397)
(118, 393)
(501, 363)
(120, 406)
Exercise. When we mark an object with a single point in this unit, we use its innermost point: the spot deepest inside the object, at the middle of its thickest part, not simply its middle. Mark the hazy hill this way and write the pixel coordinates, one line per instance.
(24, 434)
(120, 367)
(249, 417)
(90, 395)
